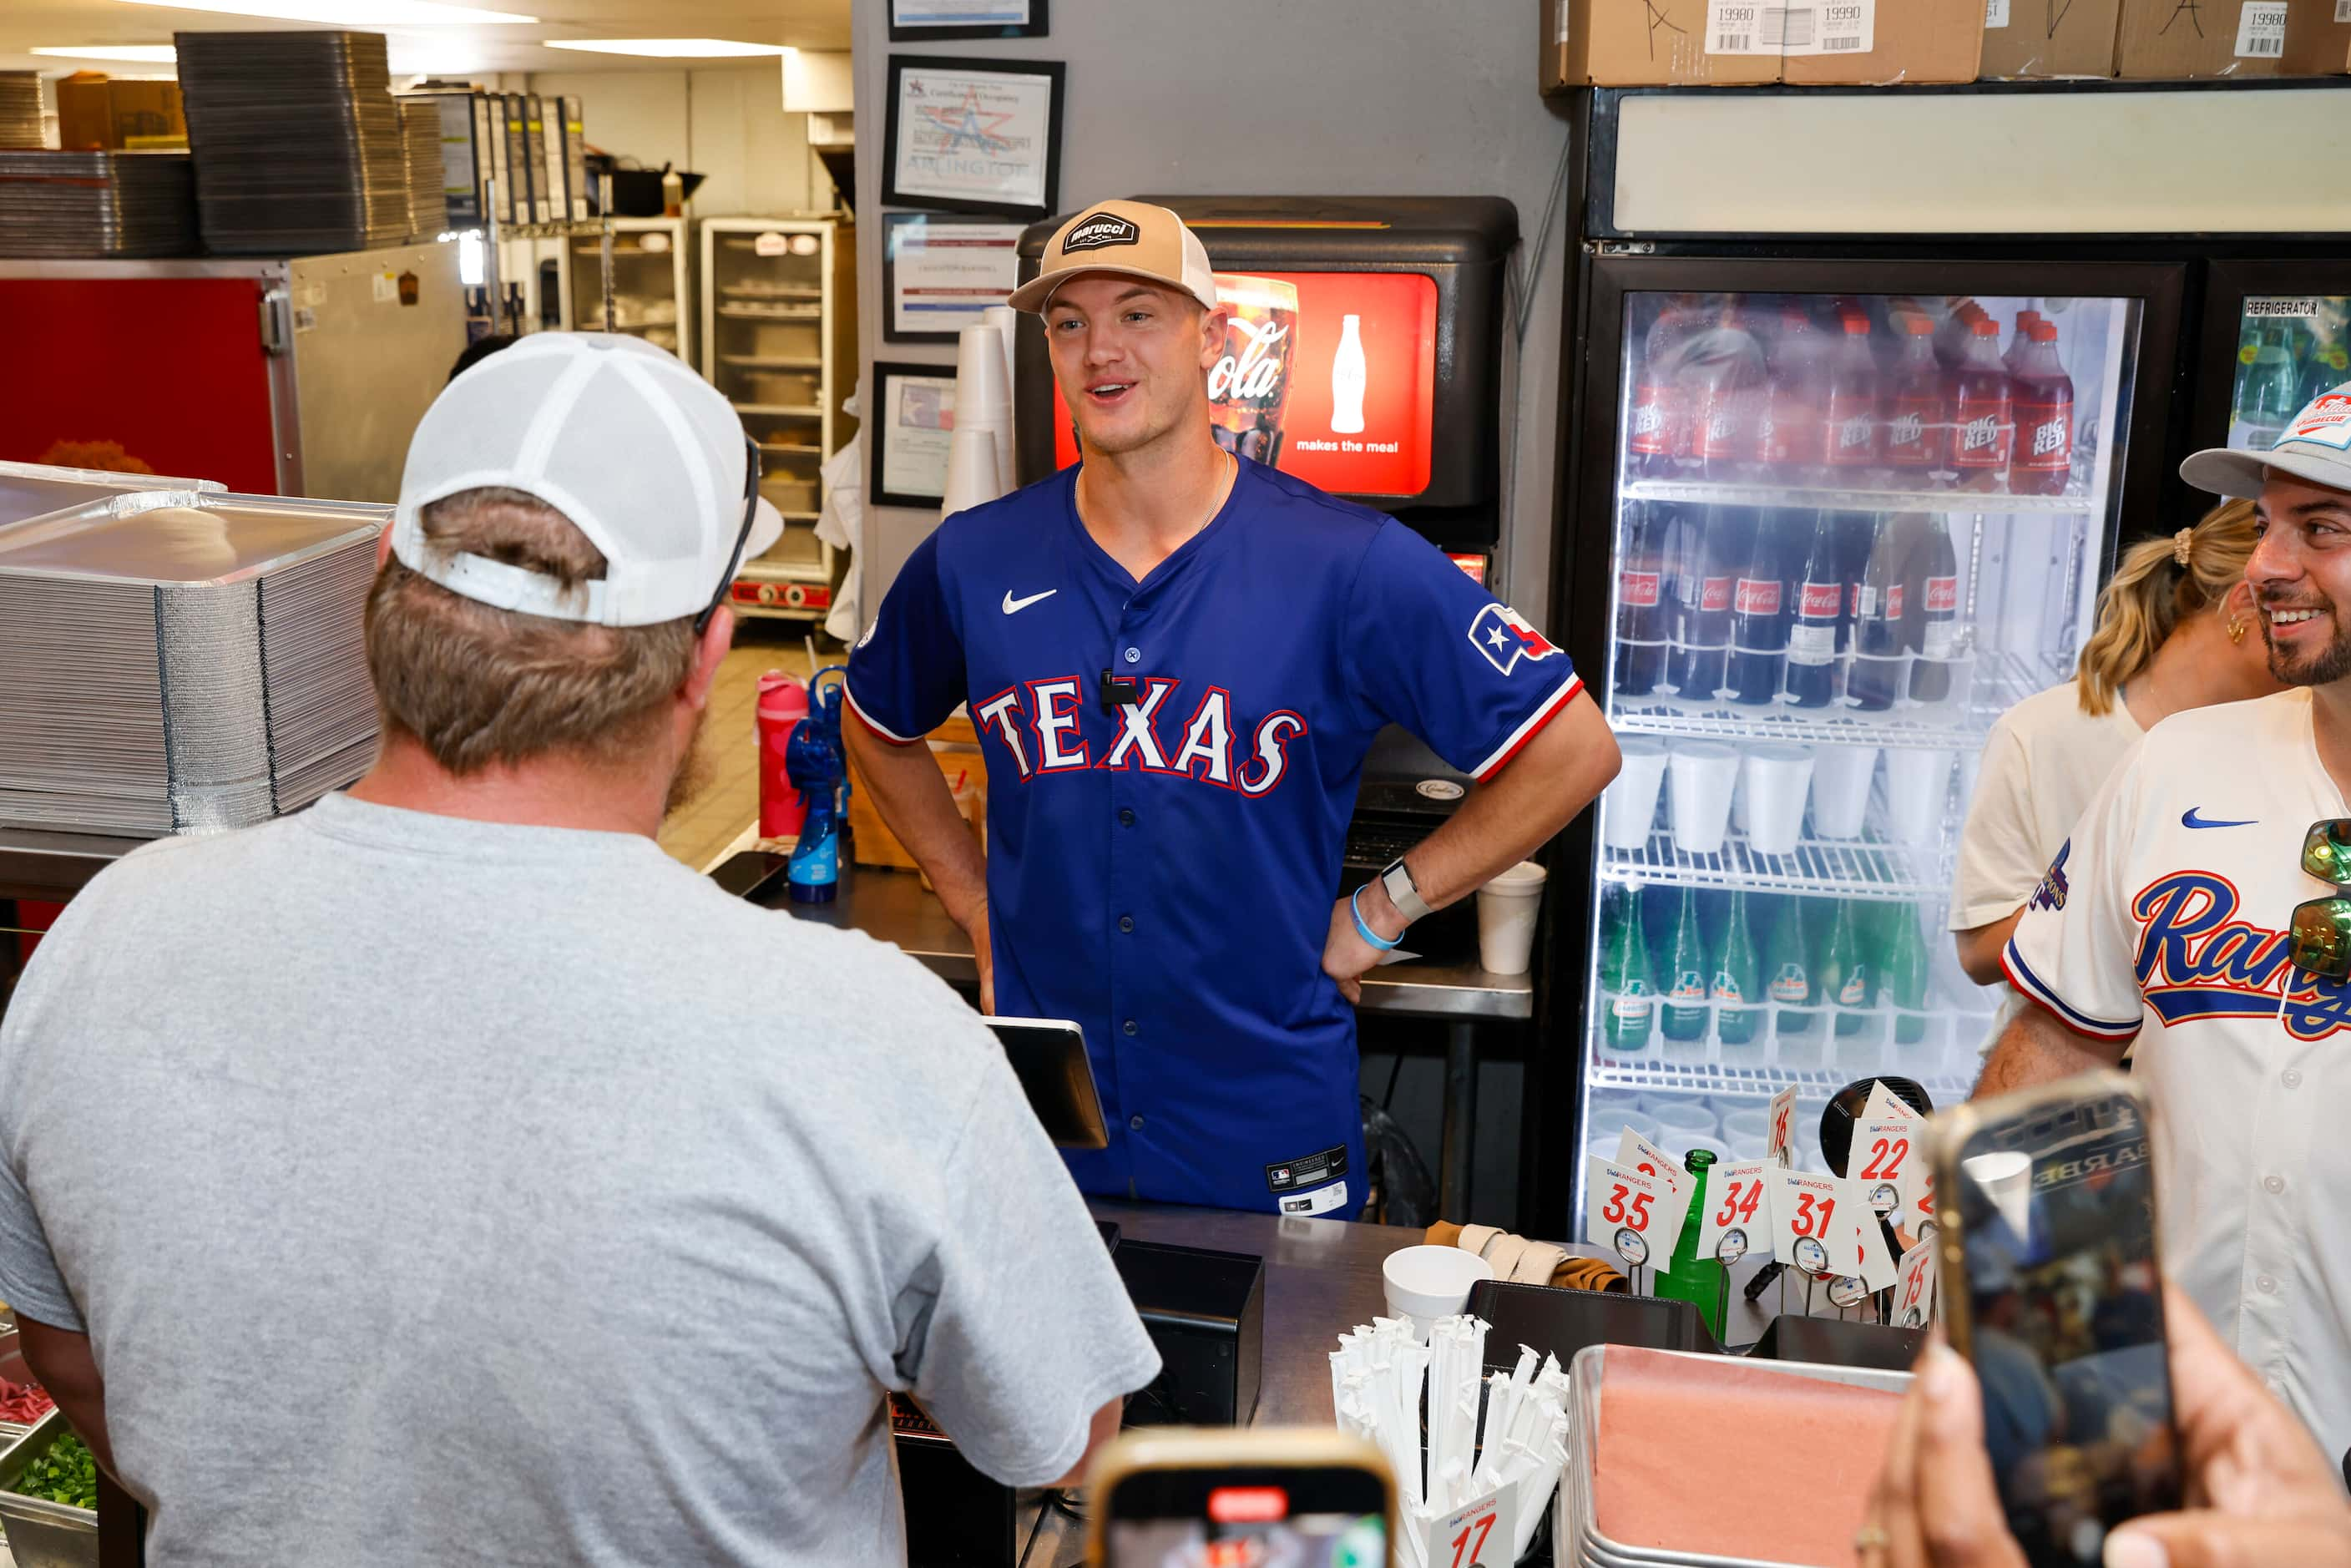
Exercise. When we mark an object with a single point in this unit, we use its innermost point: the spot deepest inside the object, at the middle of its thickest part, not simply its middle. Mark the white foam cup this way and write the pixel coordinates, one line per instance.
(1425, 1284)
(1841, 776)
(1629, 805)
(1701, 775)
(1917, 785)
(1506, 908)
(1776, 778)
(973, 479)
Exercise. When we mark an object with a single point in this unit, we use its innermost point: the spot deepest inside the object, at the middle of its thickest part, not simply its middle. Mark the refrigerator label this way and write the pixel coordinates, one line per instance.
(2258, 309)
(1995, 13)
(2261, 30)
(1330, 376)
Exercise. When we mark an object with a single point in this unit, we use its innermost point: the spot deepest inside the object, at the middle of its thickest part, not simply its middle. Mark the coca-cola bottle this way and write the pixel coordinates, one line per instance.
(1938, 618)
(1876, 679)
(1852, 440)
(1721, 390)
(1641, 615)
(1788, 421)
(2021, 339)
(1717, 545)
(1655, 425)
(1918, 418)
(1762, 600)
(1812, 628)
(2044, 397)
(1983, 420)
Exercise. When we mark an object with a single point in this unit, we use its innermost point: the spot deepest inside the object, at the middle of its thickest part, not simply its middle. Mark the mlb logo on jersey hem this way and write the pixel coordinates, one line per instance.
(1502, 635)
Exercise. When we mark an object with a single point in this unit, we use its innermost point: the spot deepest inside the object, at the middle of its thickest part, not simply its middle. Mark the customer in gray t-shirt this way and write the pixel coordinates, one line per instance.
(443, 1175)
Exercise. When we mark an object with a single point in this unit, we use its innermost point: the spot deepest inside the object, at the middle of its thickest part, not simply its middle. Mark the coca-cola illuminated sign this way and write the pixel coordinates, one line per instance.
(1330, 376)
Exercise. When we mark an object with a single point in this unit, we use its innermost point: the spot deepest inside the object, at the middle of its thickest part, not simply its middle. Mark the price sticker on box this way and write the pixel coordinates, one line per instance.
(1780, 1144)
(1631, 1214)
(1881, 1152)
(1811, 1222)
(1738, 1217)
(1914, 1294)
(1480, 1535)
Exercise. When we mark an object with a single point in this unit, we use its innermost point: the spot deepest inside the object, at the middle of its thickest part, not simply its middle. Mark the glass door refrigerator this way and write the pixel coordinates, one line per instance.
(1833, 517)
(2276, 332)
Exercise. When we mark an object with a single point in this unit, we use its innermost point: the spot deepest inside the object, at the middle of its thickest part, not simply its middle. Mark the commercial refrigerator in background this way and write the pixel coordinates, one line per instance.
(2276, 332)
(652, 289)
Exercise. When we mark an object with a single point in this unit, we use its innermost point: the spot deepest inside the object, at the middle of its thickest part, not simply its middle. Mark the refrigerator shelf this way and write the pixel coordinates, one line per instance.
(2000, 682)
(1835, 868)
(1740, 1081)
(1963, 503)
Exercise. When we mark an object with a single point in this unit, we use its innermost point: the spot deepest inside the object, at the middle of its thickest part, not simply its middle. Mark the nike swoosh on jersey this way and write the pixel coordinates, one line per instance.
(1014, 606)
(2188, 818)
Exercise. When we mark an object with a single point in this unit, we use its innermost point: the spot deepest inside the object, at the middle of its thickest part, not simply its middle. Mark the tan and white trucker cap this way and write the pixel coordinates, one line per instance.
(1133, 239)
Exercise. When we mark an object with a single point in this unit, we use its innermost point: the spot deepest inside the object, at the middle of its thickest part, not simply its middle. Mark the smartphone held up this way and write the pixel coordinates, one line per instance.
(2051, 1288)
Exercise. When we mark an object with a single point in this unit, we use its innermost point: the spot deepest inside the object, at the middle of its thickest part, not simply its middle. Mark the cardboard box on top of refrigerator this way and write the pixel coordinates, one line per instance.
(1655, 42)
(2037, 40)
(1882, 43)
(2317, 38)
(2179, 40)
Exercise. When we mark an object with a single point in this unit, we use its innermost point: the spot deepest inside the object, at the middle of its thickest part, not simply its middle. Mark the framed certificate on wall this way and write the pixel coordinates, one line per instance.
(915, 21)
(912, 421)
(973, 136)
(940, 270)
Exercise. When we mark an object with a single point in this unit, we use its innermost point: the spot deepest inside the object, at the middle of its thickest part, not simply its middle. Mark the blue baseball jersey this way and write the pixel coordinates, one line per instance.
(1163, 874)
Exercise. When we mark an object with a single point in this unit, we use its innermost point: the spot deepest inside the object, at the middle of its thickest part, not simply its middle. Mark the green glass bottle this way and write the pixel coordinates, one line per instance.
(1683, 978)
(1628, 991)
(1703, 1283)
(1790, 966)
(1905, 976)
(1846, 971)
(1737, 982)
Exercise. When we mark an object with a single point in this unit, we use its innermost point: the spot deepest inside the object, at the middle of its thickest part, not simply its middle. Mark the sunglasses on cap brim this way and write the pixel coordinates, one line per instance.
(2319, 938)
(742, 535)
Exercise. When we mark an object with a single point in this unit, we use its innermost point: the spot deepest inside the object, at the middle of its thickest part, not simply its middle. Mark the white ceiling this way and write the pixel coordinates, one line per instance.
(803, 23)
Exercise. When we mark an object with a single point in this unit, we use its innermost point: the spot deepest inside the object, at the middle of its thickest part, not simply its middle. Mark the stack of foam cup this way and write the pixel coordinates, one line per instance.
(1007, 322)
(984, 401)
(972, 474)
(783, 702)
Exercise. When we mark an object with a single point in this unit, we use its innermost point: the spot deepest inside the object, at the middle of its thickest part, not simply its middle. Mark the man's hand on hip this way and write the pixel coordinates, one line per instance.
(983, 954)
(1346, 957)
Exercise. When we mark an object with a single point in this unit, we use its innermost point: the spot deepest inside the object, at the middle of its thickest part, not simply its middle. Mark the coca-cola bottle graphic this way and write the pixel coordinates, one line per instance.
(1761, 603)
(1348, 374)
(1788, 420)
(1875, 681)
(1938, 618)
(1641, 615)
(1717, 545)
(1852, 440)
(1249, 388)
(1984, 421)
(1819, 609)
(1918, 417)
(2043, 395)
(1657, 427)
(1721, 391)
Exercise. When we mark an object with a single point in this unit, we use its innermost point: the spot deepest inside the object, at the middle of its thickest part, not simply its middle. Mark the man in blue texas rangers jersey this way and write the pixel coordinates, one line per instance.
(1175, 659)
(2170, 917)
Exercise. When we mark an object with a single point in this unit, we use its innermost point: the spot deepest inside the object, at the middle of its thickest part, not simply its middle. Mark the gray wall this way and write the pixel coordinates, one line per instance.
(1269, 97)
(727, 123)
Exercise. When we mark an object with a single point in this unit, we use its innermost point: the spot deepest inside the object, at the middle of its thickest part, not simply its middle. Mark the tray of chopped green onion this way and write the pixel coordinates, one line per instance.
(49, 1497)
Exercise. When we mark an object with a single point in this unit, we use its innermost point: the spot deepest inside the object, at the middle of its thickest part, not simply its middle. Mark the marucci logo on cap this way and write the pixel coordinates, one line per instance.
(1099, 231)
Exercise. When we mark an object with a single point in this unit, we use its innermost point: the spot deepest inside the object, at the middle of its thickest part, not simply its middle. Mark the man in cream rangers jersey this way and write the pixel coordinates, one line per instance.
(2167, 920)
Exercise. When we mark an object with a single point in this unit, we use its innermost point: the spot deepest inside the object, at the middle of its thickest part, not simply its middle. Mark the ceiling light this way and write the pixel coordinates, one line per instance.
(669, 48)
(145, 54)
(348, 13)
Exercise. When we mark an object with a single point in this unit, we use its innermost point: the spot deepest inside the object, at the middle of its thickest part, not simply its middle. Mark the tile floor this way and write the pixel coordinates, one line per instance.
(701, 830)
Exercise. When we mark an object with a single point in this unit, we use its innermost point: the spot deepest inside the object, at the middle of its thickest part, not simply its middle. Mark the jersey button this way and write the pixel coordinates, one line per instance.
(1134, 1124)
(2291, 1077)
(1131, 1027)
(1126, 816)
(1126, 923)
(2265, 1285)
(2275, 1184)
(1135, 655)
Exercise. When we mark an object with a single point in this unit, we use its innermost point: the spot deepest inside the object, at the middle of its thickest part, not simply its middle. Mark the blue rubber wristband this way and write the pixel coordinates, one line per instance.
(1363, 929)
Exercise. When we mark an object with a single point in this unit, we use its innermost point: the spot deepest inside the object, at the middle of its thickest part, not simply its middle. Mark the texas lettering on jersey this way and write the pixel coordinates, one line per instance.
(1036, 723)
(2196, 960)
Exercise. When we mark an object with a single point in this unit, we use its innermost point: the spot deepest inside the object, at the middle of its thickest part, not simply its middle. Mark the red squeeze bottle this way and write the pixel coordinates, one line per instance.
(1851, 437)
(783, 702)
(2044, 418)
(1984, 421)
(1917, 423)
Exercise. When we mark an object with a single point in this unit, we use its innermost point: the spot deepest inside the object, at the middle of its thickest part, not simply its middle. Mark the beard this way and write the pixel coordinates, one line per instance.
(2323, 667)
(694, 770)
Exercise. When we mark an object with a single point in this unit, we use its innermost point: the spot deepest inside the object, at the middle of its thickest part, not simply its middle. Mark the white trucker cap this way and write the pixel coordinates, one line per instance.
(2314, 446)
(643, 456)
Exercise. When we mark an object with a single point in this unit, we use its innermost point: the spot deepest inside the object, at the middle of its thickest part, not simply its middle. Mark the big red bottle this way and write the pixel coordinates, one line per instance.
(1788, 421)
(1918, 415)
(1656, 427)
(1851, 437)
(1938, 621)
(2043, 395)
(1721, 391)
(1875, 680)
(1642, 619)
(1813, 630)
(1762, 601)
(1983, 417)
(2020, 340)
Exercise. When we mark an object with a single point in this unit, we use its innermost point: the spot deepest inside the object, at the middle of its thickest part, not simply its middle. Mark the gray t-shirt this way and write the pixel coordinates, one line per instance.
(438, 1191)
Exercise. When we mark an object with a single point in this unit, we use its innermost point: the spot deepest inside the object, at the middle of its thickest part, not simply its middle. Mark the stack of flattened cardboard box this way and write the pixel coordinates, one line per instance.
(1733, 43)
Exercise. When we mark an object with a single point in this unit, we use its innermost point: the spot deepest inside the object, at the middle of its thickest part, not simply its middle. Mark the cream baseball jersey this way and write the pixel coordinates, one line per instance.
(2163, 919)
(1171, 767)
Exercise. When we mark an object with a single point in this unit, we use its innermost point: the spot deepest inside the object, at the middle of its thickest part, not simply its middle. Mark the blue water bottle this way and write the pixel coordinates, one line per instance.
(813, 762)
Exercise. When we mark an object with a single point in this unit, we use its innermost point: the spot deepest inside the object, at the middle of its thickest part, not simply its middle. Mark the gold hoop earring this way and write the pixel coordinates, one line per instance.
(2236, 630)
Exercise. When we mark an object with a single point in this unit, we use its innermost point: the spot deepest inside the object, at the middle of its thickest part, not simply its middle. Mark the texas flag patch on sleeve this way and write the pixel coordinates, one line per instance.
(1503, 636)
